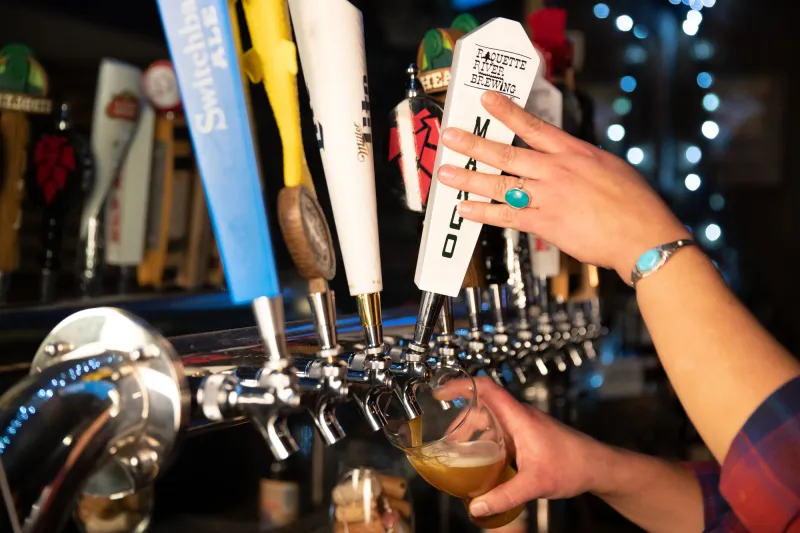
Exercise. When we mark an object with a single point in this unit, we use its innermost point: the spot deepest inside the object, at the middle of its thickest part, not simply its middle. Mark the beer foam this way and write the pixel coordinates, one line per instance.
(466, 454)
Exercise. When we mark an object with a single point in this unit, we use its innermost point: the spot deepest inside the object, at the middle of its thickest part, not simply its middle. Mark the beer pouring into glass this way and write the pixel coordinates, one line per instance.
(452, 440)
(448, 241)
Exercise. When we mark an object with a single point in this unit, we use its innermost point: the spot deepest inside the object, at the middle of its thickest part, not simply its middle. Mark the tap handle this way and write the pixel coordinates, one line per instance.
(224, 147)
(330, 40)
(60, 171)
(559, 286)
(476, 270)
(448, 240)
(23, 96)
(116, 114)
(415, 126)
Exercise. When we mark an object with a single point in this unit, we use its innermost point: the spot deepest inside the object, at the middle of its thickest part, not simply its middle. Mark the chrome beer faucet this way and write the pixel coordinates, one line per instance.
(413, 370)
(264, 396)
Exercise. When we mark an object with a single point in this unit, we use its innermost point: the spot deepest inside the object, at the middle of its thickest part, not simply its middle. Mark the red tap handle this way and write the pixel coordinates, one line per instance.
(548, 31)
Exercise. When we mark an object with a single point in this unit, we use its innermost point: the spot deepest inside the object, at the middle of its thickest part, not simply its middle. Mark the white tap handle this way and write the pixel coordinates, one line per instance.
(116, 111)
(330, 39)
(499, 56)
(126, 208)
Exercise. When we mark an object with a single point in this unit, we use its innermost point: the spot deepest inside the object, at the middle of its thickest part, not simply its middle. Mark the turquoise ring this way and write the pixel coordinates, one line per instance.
(518, 198)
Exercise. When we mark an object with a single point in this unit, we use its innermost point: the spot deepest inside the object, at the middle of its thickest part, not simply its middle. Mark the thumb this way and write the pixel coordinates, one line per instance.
(500, 499)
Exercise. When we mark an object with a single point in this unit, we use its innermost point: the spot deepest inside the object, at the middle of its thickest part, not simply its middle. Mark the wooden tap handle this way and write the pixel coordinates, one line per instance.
(559, 285)
(306, 233)
(476, 271)
(14, 133)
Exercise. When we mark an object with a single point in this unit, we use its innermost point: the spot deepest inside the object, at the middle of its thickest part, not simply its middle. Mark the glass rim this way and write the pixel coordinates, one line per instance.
(454, 429)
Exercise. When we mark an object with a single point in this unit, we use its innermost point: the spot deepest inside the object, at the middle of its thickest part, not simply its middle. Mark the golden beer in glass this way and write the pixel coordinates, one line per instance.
(457, 444)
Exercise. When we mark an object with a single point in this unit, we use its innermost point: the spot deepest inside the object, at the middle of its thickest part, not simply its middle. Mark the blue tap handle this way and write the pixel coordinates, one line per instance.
(204, 50)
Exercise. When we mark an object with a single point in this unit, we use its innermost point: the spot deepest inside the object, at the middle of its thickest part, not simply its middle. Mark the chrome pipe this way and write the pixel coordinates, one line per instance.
(101, 412)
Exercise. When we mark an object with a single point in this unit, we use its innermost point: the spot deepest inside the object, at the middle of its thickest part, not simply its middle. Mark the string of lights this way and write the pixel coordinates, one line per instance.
(701, 51)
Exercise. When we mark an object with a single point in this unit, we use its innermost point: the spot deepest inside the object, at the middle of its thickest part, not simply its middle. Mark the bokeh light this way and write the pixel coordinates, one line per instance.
(635, 54)
(692, 182)
(695, 17)
(640, 31)
(713, 232)
(616, 132)
(622, 106)
(694, 155)
(635, 156)
(628, 84)
(624, 23)
(601, 11)
(717, 202)
(703, 50)
(710, 129)
(711, 102)
(689, 28)
(705, 80)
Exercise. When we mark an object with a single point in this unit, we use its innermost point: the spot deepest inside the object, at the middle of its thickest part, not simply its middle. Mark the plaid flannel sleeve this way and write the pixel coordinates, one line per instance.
(760, 478)
(717, 514)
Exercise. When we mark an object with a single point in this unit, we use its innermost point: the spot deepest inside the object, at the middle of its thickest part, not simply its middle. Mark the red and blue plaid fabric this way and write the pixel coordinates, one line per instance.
(757, 490)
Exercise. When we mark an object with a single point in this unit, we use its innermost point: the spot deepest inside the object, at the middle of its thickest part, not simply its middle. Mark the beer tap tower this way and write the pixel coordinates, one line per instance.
(498, 55)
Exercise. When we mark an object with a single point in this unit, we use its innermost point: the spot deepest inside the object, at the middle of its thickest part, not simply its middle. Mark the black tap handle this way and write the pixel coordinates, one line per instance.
(59, 173)
(494, 249)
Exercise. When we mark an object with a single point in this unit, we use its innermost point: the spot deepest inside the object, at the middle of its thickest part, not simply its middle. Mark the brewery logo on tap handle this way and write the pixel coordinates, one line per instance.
(496, 56)
(160, 86)
(435, 54)
(23, 82)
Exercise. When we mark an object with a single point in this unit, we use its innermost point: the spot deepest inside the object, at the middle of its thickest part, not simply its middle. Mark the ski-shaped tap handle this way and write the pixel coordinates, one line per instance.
(204, 54)
(330, 39)
(117, 104)
(498, 56)
(126, 208)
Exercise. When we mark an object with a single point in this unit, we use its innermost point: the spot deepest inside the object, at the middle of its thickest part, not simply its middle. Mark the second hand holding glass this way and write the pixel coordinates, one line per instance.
(457, 445)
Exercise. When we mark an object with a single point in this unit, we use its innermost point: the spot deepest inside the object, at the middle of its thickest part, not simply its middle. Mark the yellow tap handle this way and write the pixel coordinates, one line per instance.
(273, 61)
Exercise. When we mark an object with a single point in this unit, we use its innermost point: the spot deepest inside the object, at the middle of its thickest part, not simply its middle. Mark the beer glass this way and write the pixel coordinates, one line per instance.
(456, 445)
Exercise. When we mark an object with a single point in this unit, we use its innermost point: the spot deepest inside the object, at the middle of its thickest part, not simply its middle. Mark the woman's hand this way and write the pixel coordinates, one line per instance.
(553, 461)
(587, 202)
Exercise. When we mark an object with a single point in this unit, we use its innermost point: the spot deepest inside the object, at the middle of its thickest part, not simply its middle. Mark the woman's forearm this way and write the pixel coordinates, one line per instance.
(657, 495)
(719, 359)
